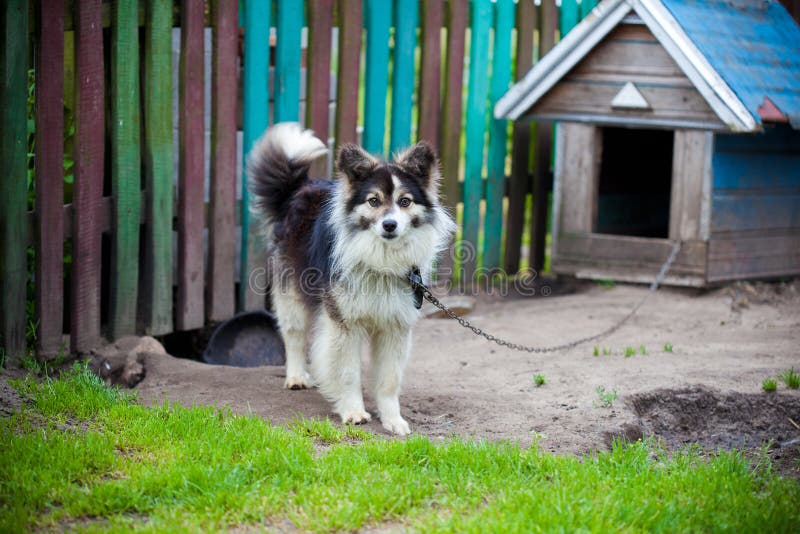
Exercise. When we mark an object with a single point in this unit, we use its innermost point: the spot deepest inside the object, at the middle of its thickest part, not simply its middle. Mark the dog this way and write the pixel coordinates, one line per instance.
(340, 252)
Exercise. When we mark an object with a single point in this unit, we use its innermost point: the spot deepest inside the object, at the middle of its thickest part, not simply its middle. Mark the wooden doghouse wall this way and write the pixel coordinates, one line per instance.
(755, 208)
(579, 251)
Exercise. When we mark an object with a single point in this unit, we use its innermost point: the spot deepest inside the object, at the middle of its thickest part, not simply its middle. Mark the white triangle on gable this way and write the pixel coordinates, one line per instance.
(629, 97)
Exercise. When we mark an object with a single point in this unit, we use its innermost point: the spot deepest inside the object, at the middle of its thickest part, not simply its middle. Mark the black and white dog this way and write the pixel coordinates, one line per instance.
(340, 254)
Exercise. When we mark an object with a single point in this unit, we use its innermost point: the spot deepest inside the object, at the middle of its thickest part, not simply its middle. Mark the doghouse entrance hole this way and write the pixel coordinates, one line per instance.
(635, 182)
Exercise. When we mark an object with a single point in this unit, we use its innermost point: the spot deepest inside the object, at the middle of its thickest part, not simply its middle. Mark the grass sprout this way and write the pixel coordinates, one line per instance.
(790, 378)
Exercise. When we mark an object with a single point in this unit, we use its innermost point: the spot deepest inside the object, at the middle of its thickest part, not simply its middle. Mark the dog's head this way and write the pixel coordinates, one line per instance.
(389, 198)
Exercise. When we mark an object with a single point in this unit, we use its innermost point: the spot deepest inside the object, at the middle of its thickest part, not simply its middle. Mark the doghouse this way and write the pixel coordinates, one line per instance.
(678, 120)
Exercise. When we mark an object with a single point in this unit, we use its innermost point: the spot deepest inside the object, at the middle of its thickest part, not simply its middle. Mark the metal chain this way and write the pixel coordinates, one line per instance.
(540, 350)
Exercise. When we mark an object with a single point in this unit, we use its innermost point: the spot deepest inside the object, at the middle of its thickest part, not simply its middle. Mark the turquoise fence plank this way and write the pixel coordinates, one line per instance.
(568, 16)
(403, 74)
(586, 7)
(256, 106)
(287, 60)
(378, 15)
(498, 134)
(477, 109)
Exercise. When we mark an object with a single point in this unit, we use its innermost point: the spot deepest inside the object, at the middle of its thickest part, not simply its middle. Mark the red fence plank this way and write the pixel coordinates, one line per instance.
(429, 97)
(521, 143)
(452, 107)
(88, 187)
(189, 313)
(222, 225)
(349, 57)
(318, 79)
(49, 161)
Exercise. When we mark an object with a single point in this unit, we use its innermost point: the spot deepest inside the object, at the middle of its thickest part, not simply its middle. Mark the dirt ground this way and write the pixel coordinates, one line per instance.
(707, 390)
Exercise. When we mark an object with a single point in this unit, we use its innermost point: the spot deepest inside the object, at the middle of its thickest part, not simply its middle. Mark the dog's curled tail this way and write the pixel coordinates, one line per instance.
(278, 165)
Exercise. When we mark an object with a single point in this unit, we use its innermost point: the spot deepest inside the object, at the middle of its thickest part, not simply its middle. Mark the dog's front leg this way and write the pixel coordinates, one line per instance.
(390, 352)
(337, 368)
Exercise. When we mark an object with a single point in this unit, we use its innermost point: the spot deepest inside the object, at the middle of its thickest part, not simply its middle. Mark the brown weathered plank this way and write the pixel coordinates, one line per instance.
(220, 287)
(347, 83)
(429, 98)
(87, 192)
(189, 312)
(542, 178)
(521, 143)
(691, 171)
(452, 106)
(578, 176)
(754, 254)
(318, 78)
(49, 158)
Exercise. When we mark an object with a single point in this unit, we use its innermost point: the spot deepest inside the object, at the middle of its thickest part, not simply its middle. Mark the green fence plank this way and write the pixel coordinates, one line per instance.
(586, 7)
(378, 20)
(287, 60)
(568, 15)
(498, 134)
(477, 109)
(156, 294)
(125, 168)
(403, 73)
(13, 172)
(256, 100)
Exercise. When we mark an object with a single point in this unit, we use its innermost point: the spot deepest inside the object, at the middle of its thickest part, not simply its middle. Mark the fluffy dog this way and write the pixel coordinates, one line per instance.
(340, 254)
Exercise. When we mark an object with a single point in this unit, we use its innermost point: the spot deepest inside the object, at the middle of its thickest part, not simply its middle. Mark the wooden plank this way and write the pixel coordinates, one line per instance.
(569, 15)
(690, 170)
(378, 21)
(220, 283)
(457, 12)
(347, 83)
(477, 109)
(743, 211)
(125, 169)
(13, 172)
(429, 96)
(586, 7)
(760, 254)
(580, 173)
(543, 149)
(318, 79)
(289, 25)
(156, 294)
(87, 194)
(49, 158)
(498, 135)
(406, 16)
(255, 89)
(190, 306)
(521, 143)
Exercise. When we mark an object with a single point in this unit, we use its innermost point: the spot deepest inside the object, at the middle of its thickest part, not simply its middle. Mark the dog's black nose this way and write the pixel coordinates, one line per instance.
(390, 225)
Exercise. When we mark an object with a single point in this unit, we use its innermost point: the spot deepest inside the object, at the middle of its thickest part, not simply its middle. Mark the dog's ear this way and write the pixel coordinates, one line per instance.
(355, 162)
(421, 162)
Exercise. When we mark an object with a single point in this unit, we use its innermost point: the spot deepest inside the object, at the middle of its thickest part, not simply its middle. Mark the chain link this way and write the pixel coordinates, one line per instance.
(541, 350)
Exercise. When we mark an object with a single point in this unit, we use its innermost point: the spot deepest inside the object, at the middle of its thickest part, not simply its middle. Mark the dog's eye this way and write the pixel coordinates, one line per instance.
(404, 202)
(374, 202)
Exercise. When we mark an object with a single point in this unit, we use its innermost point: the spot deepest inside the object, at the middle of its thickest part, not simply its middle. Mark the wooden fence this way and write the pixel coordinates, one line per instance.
(145, 252)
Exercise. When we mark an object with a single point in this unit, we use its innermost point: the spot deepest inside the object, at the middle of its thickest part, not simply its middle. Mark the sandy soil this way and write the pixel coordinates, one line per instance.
(726, 341)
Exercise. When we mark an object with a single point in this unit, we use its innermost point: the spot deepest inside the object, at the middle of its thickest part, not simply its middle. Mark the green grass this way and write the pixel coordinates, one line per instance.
(769, 385)
(630, 351)
(668, 347)
(539, 380)
(605, 398)
(86, 457)
(790, 378)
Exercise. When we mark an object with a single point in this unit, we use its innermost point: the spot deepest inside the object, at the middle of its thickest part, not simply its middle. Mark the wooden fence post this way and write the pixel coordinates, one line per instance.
(256, 106)
(49, 161)
(477, 109)
(220, 283)
(378, 19)
(406, 17)
(13, 172)
(347, 83)
(87, 193)
(125, 168)
(429, 95)
(156, 294)
(318, 77)
(289, 27)
(498, 135)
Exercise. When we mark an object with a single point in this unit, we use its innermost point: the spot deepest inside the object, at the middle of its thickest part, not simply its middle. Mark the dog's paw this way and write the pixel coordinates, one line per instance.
(298, 382)
(396, 425)
(356, 417)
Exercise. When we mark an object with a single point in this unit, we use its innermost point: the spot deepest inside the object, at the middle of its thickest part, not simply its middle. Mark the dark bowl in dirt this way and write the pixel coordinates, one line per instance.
(248, 339)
